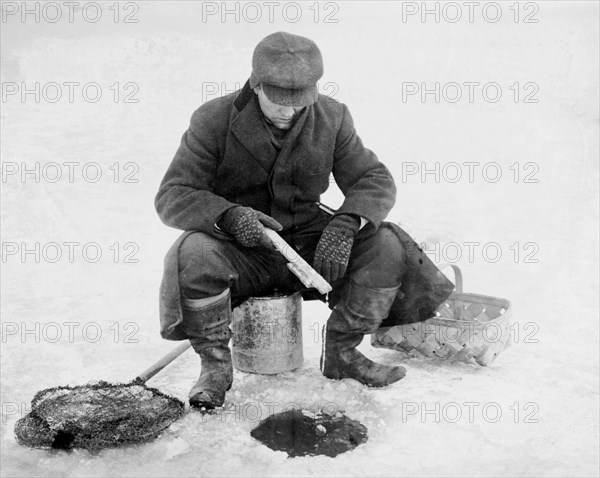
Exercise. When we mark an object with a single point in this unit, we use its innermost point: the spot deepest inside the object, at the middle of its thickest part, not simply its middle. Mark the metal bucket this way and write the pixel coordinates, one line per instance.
(267, 334)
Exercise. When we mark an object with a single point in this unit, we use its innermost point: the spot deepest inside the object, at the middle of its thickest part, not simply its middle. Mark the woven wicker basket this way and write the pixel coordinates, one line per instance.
(466, 326)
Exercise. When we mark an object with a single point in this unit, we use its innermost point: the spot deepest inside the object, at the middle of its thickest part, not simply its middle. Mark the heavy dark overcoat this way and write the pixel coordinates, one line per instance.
(226, 158)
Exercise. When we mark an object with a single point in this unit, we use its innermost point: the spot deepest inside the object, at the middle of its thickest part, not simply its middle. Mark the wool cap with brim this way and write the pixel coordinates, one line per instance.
(287, 67)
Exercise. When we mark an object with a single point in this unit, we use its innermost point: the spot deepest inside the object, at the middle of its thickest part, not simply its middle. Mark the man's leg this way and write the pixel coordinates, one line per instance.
(212, 273)
(363, 300)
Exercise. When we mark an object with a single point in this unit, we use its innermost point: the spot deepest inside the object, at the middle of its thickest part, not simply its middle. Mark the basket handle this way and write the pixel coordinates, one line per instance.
(458, 277)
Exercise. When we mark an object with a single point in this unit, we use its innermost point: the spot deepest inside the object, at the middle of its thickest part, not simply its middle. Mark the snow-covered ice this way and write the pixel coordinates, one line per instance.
(545, 386)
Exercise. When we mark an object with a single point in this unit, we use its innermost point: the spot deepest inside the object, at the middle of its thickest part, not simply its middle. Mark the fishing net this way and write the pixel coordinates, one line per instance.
(97, 415)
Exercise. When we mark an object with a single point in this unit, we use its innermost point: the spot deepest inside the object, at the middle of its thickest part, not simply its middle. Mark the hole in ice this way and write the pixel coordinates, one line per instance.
(300, 434)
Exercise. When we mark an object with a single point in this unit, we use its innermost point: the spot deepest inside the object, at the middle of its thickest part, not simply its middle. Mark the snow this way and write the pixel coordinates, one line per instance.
(98, 320)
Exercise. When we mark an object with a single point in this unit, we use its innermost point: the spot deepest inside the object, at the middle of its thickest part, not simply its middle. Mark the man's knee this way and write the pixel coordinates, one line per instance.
(390, 246)
(380, 260)
(204, 269)
(200, 248)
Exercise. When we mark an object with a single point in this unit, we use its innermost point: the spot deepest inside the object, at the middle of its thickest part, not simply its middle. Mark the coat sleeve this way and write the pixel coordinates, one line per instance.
(185, 199)
(367, 185)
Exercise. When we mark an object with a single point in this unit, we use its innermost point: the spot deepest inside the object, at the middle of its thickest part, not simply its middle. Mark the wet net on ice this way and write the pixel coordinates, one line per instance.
(97, 415)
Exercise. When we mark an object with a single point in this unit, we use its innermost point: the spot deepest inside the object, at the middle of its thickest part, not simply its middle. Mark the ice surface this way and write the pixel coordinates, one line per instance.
(546, 391)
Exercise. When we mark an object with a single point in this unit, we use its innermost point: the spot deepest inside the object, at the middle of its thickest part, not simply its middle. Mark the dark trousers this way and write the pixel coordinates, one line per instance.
(208, 265)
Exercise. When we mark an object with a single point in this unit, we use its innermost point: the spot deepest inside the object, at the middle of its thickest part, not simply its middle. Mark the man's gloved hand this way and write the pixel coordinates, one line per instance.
(246, 226)
(334, 247)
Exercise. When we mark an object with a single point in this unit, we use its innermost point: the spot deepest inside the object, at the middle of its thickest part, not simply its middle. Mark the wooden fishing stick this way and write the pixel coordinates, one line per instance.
(299, 267)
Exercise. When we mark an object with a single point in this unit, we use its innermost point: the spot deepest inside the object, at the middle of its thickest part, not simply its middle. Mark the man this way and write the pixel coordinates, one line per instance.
(261, 157)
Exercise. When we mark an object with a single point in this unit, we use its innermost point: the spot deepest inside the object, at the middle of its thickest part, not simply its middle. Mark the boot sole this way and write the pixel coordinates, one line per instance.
(370, 385)
(206, 405)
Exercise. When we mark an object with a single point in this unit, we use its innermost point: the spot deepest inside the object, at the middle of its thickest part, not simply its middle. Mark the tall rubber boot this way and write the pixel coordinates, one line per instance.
(359, 311)
(207, 326)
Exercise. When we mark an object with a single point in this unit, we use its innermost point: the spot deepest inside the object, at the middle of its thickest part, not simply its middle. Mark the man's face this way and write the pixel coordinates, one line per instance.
(282, 117)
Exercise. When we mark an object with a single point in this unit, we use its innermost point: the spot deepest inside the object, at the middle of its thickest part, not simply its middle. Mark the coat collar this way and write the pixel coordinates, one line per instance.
(249, 129)
(243, 97)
